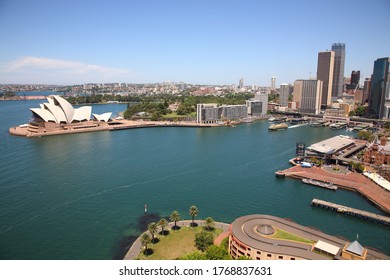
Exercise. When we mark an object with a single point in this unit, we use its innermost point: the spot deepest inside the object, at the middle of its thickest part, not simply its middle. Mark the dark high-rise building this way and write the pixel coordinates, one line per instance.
(338, 76)
(325, 73)
(379, 82)
(355, 77)
(366, 90)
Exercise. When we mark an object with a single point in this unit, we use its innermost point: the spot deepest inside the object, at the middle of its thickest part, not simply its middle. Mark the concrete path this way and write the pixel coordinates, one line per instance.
(135, 249)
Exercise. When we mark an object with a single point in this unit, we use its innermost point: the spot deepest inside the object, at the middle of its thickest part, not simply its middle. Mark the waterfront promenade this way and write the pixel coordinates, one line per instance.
(135, 249)
(93, 126)
(352, 181)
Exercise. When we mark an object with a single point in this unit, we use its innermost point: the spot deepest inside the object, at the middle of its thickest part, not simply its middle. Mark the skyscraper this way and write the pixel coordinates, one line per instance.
(338, 76)
(241, 83)
(325, 74)
(355, 78)
(379, 82)
(273, 81)
(366, 90)
(283, 94)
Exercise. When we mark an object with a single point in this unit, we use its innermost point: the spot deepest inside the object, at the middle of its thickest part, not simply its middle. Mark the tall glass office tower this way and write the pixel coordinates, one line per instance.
(379, 81)
(338, 75)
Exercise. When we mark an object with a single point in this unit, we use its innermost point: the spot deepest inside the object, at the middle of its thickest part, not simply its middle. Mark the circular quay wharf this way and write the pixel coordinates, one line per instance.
(351, 181)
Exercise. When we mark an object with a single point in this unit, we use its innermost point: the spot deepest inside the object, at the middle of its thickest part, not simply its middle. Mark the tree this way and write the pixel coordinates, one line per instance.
(152, 228)
(163, 223)
(175, 217)
(203, 240)
(360, 111)
(193, 212)
(244, 258)
(145, 241)
(209, 224)
(365, 135)
(351, 113)
(360, 168)
(217, 253)
(194, 256)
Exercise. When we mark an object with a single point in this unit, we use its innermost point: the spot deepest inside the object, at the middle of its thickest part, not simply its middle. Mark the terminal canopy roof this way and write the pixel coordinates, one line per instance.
(326, 247)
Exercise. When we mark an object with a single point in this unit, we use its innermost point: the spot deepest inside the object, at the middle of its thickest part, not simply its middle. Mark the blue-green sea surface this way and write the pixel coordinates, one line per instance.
(82, 196)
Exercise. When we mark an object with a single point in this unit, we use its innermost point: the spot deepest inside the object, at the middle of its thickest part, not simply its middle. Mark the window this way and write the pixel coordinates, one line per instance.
(280, 257)
(269, 255)
(257, 258)
(258, 252)
(293, 259)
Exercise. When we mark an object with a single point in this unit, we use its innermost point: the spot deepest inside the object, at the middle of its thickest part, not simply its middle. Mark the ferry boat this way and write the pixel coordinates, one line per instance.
(337, 125)
(316, 124)
(279, 126)
(313, 182)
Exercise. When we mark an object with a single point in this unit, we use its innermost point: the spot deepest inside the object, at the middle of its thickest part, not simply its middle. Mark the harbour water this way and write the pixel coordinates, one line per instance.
(82, 196)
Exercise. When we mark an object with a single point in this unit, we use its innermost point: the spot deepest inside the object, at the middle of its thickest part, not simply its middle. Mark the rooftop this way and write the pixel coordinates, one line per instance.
(331, 145)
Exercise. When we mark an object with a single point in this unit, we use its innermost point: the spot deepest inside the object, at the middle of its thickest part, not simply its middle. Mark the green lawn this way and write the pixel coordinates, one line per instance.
(281, 234)
(177, 243)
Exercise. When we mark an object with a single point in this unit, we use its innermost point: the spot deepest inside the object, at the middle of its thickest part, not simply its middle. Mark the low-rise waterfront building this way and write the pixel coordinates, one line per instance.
(234, 112)
(378, 152)
(213, 113)
(331, 146)
(265, 237)
(208, 113)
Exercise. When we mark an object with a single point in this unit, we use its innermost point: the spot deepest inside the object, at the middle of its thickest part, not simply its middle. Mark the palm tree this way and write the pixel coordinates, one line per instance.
(193, 212)
(163, 223)
(145, 241)
(209, 223)
(152, 228)
(175, 217)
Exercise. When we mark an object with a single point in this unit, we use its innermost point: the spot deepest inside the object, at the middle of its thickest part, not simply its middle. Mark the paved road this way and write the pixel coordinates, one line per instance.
(136, 247)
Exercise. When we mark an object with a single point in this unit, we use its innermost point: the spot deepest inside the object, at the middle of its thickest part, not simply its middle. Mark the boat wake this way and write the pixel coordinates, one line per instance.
(298, 125)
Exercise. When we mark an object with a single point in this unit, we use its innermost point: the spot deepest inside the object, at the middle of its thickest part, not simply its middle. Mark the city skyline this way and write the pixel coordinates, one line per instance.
(205, 42)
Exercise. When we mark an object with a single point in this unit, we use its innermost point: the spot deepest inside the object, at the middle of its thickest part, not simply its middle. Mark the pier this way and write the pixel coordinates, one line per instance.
(352, 181)
(351, 211)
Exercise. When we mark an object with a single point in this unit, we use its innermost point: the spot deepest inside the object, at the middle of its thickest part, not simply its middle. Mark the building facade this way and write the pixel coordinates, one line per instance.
(208, 113)
(234, 112)
(252, 236)
(283, 94)
(325, 73)
(307, 93)
(338, 76)
(379, 80)
(378, 153)
(273, 83)
(366, 90)
(213, 113)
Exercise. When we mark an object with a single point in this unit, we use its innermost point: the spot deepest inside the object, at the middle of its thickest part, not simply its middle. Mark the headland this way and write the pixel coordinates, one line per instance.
(40, 129)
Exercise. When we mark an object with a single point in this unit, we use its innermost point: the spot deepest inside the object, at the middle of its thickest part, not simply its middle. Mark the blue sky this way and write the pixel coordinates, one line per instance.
(202, 42)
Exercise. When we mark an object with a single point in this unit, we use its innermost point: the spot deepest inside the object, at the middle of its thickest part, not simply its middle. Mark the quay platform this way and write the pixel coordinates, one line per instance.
(351, 211)
(353, 182)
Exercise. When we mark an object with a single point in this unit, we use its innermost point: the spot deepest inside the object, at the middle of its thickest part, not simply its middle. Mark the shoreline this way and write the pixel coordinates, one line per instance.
(30, 130)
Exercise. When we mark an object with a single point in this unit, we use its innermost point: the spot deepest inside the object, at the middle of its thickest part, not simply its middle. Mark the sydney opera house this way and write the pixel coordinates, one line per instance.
(57, 116)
